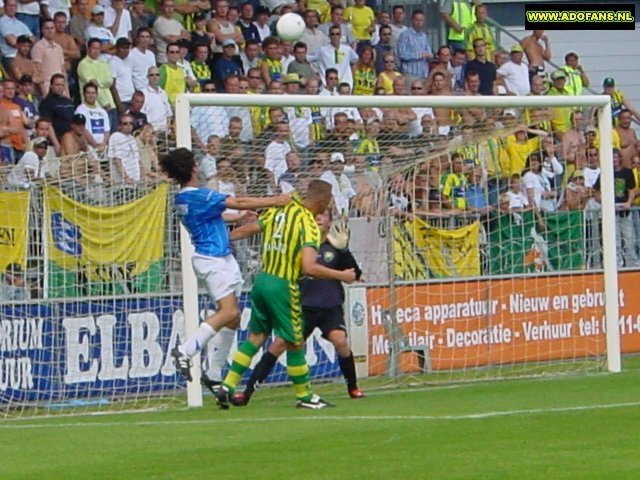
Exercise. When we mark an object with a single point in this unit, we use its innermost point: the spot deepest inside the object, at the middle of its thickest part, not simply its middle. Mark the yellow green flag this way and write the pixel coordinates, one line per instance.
(90, 247)
(422, 251)
(14, 228)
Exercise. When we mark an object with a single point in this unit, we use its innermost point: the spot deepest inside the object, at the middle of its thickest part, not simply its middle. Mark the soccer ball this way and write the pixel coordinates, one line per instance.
(290, 27)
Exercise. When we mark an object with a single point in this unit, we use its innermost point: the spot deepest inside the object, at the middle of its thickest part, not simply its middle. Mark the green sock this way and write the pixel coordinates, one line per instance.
(298, 371)
(241, 361)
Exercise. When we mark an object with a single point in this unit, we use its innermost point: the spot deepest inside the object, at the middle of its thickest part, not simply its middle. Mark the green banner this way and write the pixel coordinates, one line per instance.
(518, 243)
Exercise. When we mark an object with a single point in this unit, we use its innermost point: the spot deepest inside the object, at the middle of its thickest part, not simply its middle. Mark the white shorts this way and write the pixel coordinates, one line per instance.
(221, 275)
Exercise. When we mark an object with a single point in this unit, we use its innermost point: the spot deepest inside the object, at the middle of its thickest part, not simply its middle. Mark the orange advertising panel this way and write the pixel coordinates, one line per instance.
(497, 322)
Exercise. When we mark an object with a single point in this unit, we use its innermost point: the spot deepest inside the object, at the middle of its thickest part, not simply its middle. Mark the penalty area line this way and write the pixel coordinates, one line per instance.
(324, 418)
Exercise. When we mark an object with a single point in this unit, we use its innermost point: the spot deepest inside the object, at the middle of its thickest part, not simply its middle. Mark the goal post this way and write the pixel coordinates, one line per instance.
(610, 313)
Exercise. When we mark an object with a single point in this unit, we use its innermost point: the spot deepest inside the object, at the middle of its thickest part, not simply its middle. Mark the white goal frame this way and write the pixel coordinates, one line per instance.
(184, 102)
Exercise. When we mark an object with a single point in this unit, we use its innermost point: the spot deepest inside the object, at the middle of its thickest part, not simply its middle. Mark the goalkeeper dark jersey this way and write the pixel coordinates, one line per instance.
(328, 293)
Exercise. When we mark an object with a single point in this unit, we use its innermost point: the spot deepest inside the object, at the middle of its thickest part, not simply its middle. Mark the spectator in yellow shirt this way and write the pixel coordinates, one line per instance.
(363, 22)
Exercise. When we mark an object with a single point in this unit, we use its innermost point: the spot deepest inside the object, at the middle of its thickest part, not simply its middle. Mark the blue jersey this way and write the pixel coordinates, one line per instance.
(200, 211)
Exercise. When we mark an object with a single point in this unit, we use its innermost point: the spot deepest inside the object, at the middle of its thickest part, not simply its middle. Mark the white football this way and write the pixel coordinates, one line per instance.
(290, 27)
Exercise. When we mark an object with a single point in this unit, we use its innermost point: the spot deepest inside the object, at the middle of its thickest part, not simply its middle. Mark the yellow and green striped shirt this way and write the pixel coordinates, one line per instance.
(286, 231)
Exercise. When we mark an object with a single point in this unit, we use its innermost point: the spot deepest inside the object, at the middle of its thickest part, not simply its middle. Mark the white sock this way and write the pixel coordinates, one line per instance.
(196, 343)
(217, 353)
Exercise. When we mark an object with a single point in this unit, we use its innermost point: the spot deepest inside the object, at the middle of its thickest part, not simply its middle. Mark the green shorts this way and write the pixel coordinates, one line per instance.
(275, 306)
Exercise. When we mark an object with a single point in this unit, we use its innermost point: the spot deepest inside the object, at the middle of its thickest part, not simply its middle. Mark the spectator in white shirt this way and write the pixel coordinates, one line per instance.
(156, 103)
(122, 88)
(26, 171)
(124, 155)
(515, 73)
(341, 186)
(141, 59)
(96, 29)
(275, 156)
(118, 20)
(335, 55)
(97, 117)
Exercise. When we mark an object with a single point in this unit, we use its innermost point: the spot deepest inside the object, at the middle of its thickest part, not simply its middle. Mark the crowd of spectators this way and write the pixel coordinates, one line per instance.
(88, 92)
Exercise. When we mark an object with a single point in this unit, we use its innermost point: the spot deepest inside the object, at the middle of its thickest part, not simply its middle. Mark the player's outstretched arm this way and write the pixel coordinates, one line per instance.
(313, 269)
(244, 231)
(256, 203)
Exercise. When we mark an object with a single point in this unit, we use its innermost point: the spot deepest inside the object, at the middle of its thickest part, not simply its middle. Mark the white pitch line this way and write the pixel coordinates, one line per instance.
(324, 418)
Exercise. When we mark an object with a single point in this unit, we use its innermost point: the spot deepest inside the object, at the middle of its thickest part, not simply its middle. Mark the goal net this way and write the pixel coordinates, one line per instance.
(482, 247)
(462, 278)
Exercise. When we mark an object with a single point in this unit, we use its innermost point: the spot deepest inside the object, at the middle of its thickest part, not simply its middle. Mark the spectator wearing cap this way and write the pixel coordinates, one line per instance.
(48, 56)
(262, 22)
(156, 103)
(13, 286)
(98, 121)
(57, 106)
(27, 170)
(141, 59)
(480, 29)
(12, 122)
(576, 194)
(561, 120)
(341, 186)
(98, 30)
(515, 73)
(21, 64)
(167, 29)
(245, 23)
(43, 128)
(10, 29)
(122, 88)
(118, 20)
(577, 79)
(76, 140)
(226, 65)
(223, 29)
(618, 100)
(93, 68)
(61, 37)
(335, 55)
(79, 22)
(124, 155)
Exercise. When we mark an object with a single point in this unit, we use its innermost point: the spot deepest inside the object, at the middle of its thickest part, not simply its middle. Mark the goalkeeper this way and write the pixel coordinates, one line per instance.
(322, 308)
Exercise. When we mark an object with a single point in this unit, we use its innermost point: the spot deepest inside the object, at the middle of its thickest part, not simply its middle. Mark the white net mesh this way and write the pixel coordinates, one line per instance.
(464, 277)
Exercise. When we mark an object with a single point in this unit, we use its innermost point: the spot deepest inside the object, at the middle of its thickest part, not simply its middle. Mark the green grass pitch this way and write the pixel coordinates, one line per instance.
(565, 427)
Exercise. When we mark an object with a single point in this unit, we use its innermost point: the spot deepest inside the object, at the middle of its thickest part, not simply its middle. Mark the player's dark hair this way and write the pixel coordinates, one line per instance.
(178, 164)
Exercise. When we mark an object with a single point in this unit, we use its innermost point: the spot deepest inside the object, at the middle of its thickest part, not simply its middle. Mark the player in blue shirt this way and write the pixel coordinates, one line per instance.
(200, 211)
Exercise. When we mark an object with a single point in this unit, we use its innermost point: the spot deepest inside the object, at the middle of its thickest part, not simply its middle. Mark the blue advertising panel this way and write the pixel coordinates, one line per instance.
(65, 351)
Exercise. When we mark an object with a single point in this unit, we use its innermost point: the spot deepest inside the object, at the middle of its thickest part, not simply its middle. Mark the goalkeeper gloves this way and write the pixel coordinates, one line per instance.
(339, 234)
